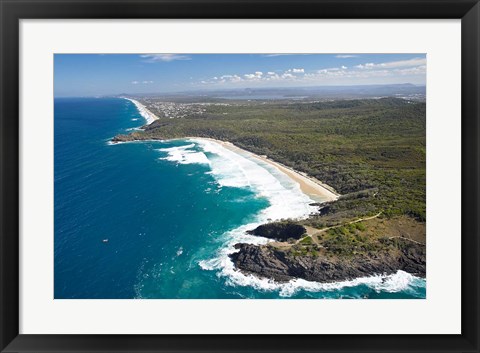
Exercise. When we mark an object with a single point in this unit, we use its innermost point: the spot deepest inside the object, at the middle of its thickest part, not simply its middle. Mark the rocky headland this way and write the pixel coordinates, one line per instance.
(338, 254)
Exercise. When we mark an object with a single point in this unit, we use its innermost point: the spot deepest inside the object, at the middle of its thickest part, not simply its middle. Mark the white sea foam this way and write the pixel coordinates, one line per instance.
(111, 143)
(144, 112)
(399, 281)
(240, 170)
(185, 155)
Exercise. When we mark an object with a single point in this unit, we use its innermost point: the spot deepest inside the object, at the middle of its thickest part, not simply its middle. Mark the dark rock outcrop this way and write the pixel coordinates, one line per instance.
(133, 137)
(280, 231)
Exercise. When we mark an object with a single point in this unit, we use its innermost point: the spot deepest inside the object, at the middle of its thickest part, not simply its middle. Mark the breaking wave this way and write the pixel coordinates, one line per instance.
(184, 155)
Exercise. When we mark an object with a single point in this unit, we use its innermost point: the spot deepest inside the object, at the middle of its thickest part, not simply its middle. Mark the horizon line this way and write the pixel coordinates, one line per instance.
(238, 88)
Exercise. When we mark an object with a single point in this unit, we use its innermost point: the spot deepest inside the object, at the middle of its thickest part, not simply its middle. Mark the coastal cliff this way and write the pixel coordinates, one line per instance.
(134, 136)
(269, 262)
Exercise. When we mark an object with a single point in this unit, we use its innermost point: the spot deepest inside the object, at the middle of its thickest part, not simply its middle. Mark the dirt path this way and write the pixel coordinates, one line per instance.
(312, 231)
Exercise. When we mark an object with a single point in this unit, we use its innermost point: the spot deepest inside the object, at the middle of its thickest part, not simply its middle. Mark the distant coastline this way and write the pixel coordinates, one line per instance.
(144, 112)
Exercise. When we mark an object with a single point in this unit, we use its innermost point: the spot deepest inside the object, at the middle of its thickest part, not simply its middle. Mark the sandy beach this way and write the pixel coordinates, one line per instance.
(310, 186)
(144, 112)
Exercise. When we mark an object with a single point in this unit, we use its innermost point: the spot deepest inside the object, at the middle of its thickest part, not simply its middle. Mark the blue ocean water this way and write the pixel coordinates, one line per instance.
(158, 219)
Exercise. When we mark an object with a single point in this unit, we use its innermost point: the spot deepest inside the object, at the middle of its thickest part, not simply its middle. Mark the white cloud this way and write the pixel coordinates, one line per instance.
(141, 82)
(345, 56)
(283, 54)
(296, 71)
(331, 69)
(235, 78)
(412, 70)
(395, 64)
(405, 63)
(255, 76)
(365, 66)
(153, 58)
(272, 55)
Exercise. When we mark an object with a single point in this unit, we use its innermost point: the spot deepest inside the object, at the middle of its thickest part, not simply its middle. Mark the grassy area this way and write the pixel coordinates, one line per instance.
(366, 238)
(350, 239)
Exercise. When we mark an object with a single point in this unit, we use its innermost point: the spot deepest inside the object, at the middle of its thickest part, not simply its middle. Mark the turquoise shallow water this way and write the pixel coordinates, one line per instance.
(158, 219)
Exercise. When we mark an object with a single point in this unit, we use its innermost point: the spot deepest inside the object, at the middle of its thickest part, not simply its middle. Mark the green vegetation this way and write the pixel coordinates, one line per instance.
(371, 151)
(306, 241)
(303, 249)
(366, 238)
(349, 240)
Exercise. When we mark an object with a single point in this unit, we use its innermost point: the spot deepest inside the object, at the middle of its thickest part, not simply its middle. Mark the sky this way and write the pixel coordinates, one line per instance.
(110, 74)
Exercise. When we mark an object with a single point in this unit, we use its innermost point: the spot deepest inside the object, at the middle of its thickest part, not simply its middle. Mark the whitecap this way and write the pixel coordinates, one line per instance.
(184, 155)
(179, 251)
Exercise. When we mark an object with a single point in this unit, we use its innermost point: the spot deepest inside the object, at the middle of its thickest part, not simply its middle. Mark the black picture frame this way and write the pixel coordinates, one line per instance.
(14, 10)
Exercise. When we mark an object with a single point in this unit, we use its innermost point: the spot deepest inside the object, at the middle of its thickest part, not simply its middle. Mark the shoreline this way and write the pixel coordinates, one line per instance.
(310, 186)
(313, 188)
(144, 112)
